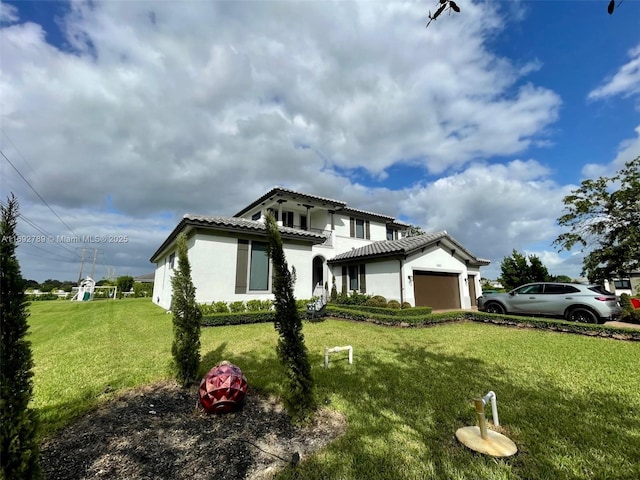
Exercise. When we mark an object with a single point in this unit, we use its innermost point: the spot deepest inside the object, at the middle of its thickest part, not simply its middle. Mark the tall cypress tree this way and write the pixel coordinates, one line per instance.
(186, 319)
(299, 399)
(19, 454)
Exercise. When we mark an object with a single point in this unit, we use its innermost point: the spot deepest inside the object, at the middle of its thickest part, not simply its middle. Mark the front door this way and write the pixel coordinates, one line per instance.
(318, 273)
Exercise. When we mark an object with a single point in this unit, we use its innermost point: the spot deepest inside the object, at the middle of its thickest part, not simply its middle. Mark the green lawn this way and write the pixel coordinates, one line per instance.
(571, 403)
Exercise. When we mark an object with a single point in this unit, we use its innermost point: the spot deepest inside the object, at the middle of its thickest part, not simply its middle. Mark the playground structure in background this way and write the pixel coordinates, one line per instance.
(86, 290)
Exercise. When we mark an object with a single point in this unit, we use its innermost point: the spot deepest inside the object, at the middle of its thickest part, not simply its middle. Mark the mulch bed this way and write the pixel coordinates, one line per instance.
(161, 432)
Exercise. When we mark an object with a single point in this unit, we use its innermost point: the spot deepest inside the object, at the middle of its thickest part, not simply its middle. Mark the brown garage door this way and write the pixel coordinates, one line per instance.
(439, 291)
(471, 279)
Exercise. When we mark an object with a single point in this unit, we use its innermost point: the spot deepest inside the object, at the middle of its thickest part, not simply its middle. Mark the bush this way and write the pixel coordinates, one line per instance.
(44, 296)
(413, 312)
(356, 298)
(142, 289)
(185, 348)
(19, 452)
(625, 302)
(376, 301)
(258, 305)
(206, 309)
(630, 316)
(237, 307)
(220, 307)
(406, 305)
(334, 290)
(393, 304)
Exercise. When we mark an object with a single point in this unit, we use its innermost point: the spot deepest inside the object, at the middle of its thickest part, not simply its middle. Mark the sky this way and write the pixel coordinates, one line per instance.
(117, 118)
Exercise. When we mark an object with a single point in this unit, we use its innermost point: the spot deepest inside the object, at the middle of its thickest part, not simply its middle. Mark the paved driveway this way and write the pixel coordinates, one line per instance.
(622, 324)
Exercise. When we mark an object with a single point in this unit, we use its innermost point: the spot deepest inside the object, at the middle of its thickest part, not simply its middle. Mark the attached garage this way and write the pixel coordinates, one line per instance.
(437, 290)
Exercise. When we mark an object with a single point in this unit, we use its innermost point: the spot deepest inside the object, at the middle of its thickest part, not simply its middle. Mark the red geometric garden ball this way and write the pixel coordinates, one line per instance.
(223, 388)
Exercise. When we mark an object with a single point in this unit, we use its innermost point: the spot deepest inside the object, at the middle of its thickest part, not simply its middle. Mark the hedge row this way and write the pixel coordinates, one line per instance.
(589, 329)
(382, 319)
(347, 312)
(407, 312)
(242, 318)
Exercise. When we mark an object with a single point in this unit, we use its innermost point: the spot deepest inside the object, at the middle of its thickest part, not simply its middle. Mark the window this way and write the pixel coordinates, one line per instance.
(359, 228)
(392, 234)
(287, 219)
(534, 289)
(256, 216)
(353, 278)
(259, 266)
(172, 261)
(554, 289)
(303, 222)
(622, 284)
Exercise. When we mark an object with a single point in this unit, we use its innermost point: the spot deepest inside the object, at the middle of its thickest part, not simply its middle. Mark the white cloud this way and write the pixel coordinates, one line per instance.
(491, 209)
(8, 13)
(625, 82)
(628, 150)
(161, 108)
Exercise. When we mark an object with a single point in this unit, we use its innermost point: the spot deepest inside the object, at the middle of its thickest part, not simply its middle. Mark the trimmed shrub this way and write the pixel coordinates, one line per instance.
(355, 298)
(185, 348)
(254, 305)
(334, 290)
(237, 306)
(299, 397)
(413, 312)
(376, 301)
(387, 318)
(406, 305)
(220, 307)
(625, 302)
(630, 316)
(19, 450)
(393, 304)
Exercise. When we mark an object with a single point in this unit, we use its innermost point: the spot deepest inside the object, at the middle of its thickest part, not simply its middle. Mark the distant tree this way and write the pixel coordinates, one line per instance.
(563, 279)
(537, 271)
(603, 217)
(124, 283)
(31, 284)
(50, 284)
(19, 450)
(186, 319)
(518, 270)
(299, 399)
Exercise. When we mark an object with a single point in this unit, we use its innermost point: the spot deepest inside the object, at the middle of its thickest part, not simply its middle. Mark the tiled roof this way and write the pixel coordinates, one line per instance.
(251, 225)
(277, 190)
(235, 225)
(402, 246)
(369, 214)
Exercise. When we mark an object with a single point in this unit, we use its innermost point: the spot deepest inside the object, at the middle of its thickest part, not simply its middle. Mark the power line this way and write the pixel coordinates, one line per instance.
(42, 231)
(36, 192)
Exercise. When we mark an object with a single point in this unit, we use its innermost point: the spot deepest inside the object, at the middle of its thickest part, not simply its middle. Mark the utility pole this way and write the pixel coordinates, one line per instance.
(81, 266)
(93, 267)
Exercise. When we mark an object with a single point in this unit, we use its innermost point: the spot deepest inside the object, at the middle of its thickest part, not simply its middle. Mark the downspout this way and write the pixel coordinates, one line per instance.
(401, 286)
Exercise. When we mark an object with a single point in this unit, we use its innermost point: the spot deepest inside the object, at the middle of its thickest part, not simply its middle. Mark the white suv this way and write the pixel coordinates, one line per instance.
(575, 302)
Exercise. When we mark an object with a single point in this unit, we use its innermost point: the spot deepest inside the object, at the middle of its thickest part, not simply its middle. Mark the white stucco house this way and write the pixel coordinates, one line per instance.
(323, 238)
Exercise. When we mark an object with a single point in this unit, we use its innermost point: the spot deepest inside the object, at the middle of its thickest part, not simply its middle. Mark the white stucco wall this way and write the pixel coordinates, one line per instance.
(213, 261)
(436, 259)
(383, 278)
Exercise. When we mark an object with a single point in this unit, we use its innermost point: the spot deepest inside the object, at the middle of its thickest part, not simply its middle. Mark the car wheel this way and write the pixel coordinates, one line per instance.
(582, 315)
(494, 307)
